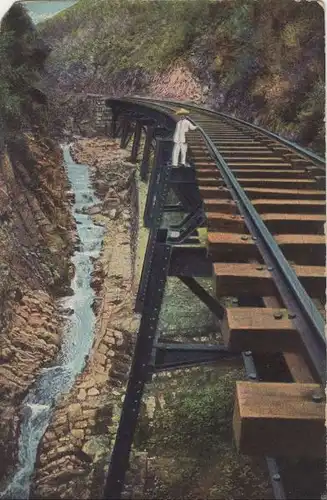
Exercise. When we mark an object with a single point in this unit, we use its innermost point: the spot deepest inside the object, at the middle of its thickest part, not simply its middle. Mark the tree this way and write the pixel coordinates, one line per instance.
(23, 54)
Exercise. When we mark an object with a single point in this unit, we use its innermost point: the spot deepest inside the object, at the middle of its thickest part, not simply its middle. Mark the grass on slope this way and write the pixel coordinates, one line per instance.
(265, 58)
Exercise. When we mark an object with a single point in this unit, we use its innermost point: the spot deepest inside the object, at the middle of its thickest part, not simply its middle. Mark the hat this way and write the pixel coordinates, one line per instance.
(181, 111)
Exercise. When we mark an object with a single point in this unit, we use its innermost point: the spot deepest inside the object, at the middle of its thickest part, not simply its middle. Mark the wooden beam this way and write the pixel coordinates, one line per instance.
(287, 205)
(269, 174)
(278, 419)
(259, 329)
(225, 222)
(287, 183)
(298, 366)
(294, 223)
(256, 280)
(299, 248)
(303, 248)
(267, 193)
(232, 247)
(226, 205)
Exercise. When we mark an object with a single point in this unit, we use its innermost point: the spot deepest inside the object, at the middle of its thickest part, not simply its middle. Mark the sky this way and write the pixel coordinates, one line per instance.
(4, 6)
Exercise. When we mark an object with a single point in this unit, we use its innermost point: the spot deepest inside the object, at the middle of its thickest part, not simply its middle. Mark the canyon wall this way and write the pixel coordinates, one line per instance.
(260, 61)
(36, 227)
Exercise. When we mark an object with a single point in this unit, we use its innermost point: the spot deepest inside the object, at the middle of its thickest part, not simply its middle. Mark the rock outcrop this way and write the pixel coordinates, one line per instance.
(74, 453)
(244, 58)
(35, 246)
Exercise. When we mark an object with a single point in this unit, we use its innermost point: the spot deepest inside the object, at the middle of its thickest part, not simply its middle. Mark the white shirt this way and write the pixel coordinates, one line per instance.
(182, 127)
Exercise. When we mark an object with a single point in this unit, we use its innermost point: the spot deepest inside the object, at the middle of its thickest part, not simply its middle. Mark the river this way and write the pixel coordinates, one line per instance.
(77, 336)
(40, 10)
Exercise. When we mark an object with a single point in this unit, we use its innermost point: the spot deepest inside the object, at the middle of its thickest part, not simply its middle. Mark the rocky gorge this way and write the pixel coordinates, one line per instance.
(72, 244)
(52, 227)
(37, 241)
(74, 452)
(77, 441)
(259, 61)
(38, 238)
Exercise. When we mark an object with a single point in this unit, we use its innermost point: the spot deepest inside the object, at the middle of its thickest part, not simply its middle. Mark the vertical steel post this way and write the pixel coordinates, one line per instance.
(124, 134)
(146, 153)
(156, 218)
(114, 118)
(161, 160)
(139, 374)
(136, 142)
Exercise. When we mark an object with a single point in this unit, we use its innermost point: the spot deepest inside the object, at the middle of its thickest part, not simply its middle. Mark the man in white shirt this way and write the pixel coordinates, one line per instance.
(180, 144)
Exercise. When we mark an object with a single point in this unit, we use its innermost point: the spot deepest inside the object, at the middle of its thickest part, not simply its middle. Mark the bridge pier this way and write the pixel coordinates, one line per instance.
(136, 141)
(158, 178)
(162, 260)
(114, 120)
(124, 133)
(139, 374)
(144, 170)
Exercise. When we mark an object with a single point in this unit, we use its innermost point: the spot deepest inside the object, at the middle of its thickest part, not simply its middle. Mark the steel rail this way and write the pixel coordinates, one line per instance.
(283, 274)
(302, 310)
(299, 149)
(277, 485)
(311, 321)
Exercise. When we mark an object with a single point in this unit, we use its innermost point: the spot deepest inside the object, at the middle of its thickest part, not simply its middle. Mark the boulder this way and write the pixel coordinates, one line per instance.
(113, 213)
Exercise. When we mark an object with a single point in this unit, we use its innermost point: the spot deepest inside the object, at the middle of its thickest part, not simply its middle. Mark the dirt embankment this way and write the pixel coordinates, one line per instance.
(74, 452)
(36, 241)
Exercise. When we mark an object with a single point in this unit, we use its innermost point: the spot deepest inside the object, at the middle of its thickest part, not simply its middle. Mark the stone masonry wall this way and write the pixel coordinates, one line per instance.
(100, 112)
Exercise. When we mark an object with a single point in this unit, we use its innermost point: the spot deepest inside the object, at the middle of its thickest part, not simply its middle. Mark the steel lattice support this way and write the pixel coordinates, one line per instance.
(140, 372)
(157, 213)
(146, 153)
(114, 119)
(215, 307)
(178, 355)
(187, 227)
(184, 185)
(158, 178)
(190, 261)
(188, 194)
(136, 142)
(171, 208)
(125, 131)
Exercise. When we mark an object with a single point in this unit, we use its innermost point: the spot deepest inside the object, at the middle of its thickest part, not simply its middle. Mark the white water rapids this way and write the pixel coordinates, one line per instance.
(76, 341)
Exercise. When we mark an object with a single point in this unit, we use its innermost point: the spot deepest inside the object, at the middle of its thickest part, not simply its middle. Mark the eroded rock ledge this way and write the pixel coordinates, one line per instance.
(74, 452)
(36, 242)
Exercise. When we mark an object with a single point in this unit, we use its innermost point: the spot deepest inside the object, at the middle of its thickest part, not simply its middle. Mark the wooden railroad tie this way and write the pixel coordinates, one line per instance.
(302, 249)
(277, 419)
(256, 280)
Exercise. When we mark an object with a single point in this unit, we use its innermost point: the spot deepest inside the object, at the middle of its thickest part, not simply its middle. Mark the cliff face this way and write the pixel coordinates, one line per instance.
(36, 228)
(262, 61)
(72, 456)
(35, 245)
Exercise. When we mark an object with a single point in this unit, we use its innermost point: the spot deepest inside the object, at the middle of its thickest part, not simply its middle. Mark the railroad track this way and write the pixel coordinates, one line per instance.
(265, 210)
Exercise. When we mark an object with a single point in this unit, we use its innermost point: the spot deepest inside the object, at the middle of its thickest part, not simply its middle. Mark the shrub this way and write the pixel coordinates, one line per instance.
(22, 54)
(197, 419)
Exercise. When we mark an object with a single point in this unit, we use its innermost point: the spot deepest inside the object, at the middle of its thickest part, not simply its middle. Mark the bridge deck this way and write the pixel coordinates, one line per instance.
(258, 202)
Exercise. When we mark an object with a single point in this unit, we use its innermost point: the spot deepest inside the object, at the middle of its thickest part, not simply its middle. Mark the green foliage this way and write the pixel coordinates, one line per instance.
(198, 418)
(128, 34)
(191, 440)
(241, 45)
(22, 55)
(9, 101)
